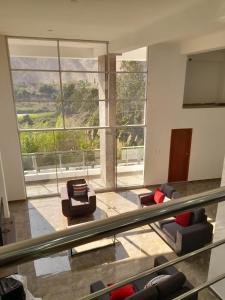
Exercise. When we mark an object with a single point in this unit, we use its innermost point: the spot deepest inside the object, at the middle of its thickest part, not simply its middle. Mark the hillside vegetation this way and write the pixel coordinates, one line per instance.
(40, 105)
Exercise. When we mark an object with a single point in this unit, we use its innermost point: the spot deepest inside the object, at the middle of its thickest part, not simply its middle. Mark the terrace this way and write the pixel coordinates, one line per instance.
(43, 178)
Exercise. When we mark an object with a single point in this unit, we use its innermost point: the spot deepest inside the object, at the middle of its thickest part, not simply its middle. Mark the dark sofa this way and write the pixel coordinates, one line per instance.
(170, 288)
(146, 199)
(181, 239)
(186, 239)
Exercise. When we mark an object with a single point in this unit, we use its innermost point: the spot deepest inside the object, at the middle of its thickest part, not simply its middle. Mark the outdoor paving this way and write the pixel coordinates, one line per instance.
(51, 187)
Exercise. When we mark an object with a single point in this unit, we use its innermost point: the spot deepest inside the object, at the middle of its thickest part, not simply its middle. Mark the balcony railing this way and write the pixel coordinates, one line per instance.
(65, 162)
(88, 232)
(42, 246)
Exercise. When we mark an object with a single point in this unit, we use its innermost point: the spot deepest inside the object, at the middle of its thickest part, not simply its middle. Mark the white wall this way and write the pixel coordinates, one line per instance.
(205, 78)
(9, 143)
(203, 43)
(167, 69)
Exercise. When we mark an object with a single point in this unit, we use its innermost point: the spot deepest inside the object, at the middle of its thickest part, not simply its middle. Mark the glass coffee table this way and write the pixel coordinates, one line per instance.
(96, 245)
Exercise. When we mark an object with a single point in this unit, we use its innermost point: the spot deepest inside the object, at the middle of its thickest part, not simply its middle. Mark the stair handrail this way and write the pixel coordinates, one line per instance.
(31, 249)
(156, 269)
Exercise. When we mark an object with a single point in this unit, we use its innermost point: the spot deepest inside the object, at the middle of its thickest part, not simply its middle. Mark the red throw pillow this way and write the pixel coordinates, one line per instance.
(122, 293)
(158, 196)
(183, 219)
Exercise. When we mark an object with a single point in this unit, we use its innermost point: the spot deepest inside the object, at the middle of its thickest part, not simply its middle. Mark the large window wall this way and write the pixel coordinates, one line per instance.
(80, 113)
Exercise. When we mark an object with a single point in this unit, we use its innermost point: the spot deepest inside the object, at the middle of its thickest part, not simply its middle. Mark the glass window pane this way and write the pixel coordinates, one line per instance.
(79, 155)
(83, 86)
(36, 85)
(81, 92)
(130, 156)
(132, 61)
(81, 113)
(33, 54)
(40, 174)
(70, 140)
(81, 56)
(129, 112)
(37, 96)
(37, 142)
(70, 147)
(131, 86)
(39, 115)
(39, 162)
(94, 159)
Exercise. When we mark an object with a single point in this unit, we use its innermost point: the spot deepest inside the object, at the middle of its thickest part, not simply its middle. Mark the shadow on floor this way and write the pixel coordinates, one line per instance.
(98, 257)
(99, 214)
(38, 223)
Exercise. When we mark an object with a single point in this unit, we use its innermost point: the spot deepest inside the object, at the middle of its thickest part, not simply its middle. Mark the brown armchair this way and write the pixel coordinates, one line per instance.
(77, 206)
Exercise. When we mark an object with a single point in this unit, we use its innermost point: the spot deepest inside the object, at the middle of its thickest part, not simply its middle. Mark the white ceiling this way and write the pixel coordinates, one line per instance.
(126, 24)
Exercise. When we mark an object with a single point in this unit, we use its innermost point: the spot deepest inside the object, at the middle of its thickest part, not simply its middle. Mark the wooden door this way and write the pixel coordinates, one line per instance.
(180, 147)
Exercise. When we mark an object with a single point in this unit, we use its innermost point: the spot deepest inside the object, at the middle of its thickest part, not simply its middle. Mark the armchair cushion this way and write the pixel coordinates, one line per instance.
(167, 190)
(170, 285)
(97, 286)
(171, 230)
(79, 201)
(141, 282)
(159, 260)
(150, 293)
(156, 280)
(197, 216)
(161, 223)
(147, 198)
(175, 195)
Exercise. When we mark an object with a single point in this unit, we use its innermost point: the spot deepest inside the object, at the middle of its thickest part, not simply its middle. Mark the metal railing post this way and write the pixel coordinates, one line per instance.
(34, 162)
(60, 161)
(83, 159)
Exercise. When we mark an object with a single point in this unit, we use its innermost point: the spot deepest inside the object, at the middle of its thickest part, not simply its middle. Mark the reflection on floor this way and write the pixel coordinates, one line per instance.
(63, 277)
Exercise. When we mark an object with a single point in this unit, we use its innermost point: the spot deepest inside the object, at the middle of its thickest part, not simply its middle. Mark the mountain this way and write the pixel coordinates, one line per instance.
(27, 75)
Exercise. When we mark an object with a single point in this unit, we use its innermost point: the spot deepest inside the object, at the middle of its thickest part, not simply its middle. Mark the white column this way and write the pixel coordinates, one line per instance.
(216, 266)
(107, 111)
(3, 193)
(9, 142)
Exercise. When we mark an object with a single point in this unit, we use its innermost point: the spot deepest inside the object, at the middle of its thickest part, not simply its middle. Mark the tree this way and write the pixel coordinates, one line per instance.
(81, 108)
(130, 102)
(81, 103)
(48, 91)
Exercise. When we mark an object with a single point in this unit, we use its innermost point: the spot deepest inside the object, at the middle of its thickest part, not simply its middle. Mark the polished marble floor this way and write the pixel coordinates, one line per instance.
(64, 277)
